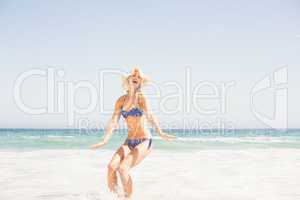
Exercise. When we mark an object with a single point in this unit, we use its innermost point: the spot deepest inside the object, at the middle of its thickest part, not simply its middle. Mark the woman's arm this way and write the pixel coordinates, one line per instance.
(112, 124)
(153, 121)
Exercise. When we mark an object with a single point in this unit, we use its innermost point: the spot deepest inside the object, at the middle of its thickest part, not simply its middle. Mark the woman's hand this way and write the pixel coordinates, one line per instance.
(167, 137)
(98, 145)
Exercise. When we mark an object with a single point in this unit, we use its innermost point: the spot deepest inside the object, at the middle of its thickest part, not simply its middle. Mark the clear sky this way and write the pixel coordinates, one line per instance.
(220, 41)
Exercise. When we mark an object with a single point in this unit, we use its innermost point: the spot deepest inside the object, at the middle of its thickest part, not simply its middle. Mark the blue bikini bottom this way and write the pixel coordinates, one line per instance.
(132, 143)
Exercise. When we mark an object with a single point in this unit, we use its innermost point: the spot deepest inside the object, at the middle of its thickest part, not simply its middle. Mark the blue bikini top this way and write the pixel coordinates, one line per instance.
(135, 112)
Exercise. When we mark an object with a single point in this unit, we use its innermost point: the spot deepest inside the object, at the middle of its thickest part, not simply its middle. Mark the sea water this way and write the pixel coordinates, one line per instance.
(249, 164)
(22, 139)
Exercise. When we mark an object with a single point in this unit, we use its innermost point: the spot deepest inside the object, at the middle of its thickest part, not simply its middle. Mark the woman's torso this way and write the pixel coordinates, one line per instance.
(135, 120)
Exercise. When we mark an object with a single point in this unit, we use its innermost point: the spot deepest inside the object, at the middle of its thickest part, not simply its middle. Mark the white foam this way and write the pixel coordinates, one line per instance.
(256, 139)
(46, 136)
(259, 174)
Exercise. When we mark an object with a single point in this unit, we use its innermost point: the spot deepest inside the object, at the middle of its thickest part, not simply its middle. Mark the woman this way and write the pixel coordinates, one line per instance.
(134, 108)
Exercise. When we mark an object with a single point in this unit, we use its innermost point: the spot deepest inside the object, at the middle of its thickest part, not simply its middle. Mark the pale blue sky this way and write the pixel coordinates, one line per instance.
(220, 40)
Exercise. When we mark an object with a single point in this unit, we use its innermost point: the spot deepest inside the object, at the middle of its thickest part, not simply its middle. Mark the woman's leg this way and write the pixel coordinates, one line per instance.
(112, 179)
(131, 160)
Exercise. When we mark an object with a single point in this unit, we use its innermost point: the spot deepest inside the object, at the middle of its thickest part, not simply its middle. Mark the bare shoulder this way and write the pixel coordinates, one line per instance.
(143, 101)
(122, 98)
(142, 97)
(120, 101)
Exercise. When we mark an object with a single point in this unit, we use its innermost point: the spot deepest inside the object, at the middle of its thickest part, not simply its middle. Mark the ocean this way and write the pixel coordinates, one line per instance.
(248, 164)
(30, 139)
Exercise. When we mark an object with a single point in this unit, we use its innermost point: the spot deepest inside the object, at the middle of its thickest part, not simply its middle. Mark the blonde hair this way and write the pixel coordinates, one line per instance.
(144, 81)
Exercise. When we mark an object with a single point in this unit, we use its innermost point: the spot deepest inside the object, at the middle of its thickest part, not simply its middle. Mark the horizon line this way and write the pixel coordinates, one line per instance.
(150, 128)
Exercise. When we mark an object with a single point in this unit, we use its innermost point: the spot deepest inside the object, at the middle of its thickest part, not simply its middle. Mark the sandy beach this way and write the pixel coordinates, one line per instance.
(252, 174)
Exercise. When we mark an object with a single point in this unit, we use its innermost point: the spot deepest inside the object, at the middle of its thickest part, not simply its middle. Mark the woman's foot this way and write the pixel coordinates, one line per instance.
(127, 197)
